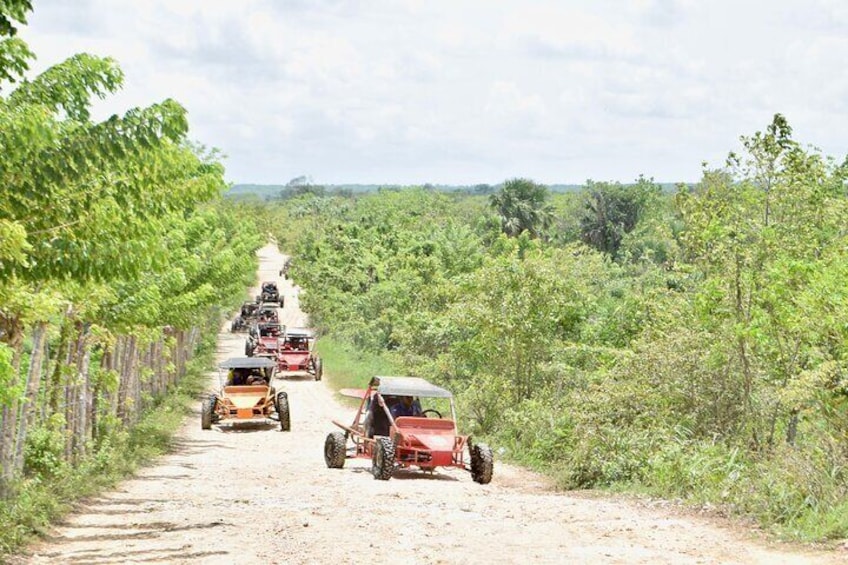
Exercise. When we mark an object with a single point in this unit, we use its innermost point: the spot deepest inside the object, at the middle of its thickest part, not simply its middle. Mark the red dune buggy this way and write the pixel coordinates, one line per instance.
(297, 353)
(246, 395)
(264, 340)
(381, 431)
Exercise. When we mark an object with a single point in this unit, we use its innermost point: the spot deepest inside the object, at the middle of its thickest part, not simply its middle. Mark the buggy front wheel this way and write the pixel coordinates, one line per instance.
(283, 411)
(334, 450)
(482, 463)
(206, 410)
(383, 460)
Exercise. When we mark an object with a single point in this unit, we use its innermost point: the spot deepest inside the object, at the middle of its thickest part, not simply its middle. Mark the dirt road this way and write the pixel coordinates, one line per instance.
(266, 496)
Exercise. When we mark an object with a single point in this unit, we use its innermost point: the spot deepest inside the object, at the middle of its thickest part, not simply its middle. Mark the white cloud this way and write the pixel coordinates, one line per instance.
(465, 92)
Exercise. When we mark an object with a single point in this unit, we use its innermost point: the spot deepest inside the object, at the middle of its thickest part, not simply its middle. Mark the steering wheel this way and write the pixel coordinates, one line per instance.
(436, 412)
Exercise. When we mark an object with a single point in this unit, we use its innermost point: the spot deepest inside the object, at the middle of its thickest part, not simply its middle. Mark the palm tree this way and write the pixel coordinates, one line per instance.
(522, 205)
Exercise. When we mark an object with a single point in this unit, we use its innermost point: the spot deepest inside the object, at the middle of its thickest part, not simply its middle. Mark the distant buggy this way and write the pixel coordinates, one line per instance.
(247, 314)
(284, 270)
(424, 441)
(270, 293)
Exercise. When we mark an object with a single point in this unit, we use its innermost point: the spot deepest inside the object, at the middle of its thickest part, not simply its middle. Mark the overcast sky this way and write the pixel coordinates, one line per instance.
(469, 91)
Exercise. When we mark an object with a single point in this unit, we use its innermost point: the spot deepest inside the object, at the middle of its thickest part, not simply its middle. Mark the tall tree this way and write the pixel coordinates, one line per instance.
(612, 210)
(522, 205)
(14, 53)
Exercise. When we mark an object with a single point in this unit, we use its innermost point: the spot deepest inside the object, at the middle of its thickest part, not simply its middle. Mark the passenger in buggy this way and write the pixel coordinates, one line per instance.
(251, 377)
(376, 421)
(243, 376)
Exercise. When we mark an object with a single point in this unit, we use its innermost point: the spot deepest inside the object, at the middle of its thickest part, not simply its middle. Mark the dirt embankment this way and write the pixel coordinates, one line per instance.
(261, 495)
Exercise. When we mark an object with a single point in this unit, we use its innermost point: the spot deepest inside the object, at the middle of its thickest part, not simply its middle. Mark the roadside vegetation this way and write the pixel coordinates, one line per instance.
(688, 344)
(117, 257)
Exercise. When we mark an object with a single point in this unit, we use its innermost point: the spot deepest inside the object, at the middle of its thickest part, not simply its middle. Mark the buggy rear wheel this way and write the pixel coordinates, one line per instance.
(319, 368)
(206, 410)
(383, 460)
(334, 450)
(282, 406)
(482, 463)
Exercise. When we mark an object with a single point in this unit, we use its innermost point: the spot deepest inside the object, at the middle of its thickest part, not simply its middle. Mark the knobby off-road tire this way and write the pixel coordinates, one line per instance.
(383, 459)
(482, 463)
(283, 411)
(334, 450)
(206, 411)
(319, 368)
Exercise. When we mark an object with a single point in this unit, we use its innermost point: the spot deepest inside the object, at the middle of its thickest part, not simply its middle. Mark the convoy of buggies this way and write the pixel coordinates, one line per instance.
(401, 422)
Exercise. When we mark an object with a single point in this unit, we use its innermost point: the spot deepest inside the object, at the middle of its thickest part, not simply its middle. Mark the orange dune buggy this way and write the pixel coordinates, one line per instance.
(246, 396)
(425, 440)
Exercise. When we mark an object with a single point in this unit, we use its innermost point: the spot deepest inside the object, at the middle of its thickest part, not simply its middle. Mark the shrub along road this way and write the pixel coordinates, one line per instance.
(261, 495)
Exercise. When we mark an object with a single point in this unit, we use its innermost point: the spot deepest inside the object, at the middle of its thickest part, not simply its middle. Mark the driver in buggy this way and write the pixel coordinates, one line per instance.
(406, 406)
(243, 376)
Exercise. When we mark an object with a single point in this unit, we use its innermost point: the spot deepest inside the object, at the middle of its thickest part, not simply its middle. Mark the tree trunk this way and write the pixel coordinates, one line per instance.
(83, 395)
(9, 420)
(30, 403)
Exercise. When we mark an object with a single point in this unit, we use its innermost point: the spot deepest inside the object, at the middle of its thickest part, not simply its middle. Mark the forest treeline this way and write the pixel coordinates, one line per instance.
(689, 345)
(117, 257)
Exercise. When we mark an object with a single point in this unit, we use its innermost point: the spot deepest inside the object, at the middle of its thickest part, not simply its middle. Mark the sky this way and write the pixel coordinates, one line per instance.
(468, 91)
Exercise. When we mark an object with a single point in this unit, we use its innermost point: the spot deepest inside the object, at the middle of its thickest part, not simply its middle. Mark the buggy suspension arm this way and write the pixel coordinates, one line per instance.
(354, 432)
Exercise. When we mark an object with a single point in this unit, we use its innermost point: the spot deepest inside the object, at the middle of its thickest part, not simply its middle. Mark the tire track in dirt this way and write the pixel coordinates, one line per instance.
(259, 495)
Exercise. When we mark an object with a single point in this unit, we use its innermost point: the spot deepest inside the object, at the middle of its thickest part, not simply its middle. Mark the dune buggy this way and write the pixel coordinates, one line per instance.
(426, 440)
(267, 313)
(264, 340)
(284, 270)
(297, 353)
(247, 314)
(246, 396)
(270, 293)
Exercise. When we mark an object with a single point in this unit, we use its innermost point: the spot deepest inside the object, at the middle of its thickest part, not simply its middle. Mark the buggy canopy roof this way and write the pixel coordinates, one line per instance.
(299, 332)
(247, 363)
(410, 386)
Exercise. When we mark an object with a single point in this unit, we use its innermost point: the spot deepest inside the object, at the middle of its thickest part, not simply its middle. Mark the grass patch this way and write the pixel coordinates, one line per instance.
(38, 501)
(348, 367)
